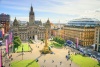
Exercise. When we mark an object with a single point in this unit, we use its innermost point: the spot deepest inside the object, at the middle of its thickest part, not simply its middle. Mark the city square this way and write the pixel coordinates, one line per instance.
(57, 59)
(58, 56)
(49, 33)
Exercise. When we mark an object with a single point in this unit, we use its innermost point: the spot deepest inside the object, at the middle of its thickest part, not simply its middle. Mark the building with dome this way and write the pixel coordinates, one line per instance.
(33, 29)
(82, 29)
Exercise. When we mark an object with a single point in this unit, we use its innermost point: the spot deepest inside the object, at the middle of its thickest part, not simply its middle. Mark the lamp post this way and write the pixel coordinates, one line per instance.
(22, 52)
(28, 42)
(1, 43)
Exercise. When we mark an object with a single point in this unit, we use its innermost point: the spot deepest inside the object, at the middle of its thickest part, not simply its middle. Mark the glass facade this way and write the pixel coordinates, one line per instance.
(88, 22)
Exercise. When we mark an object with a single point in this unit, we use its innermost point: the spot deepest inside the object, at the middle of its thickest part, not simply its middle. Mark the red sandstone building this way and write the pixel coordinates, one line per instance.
(5, 21)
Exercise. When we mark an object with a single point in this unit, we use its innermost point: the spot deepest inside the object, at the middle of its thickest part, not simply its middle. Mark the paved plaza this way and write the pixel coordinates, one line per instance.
(45, 60)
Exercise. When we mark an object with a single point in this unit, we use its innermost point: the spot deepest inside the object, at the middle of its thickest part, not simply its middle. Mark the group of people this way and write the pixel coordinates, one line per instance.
(52, 62)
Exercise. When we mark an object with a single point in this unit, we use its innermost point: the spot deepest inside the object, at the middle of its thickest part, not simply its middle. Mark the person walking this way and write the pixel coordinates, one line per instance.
(60, 62)
(52, 61)
(44, 61)
(70, 64)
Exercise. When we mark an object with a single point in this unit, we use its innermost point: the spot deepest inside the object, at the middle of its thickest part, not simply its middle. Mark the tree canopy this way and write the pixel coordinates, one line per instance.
(59, 40)
(17, 41)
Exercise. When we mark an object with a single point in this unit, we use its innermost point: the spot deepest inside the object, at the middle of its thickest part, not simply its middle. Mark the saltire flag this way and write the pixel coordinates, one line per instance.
(0, 58)
(77, 42)
(7, 46)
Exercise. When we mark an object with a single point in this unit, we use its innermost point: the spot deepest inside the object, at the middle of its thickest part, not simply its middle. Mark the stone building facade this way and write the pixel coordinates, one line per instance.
(97, 38)
(33, 29)
(83, 29)
(4, 21)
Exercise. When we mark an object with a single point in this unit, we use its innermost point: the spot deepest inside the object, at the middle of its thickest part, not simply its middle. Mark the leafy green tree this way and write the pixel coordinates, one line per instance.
(59, 40)
(17, 41)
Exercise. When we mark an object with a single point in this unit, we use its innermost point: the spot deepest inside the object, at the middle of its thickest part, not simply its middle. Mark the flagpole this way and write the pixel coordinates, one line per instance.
(6, 47)
(0, 57)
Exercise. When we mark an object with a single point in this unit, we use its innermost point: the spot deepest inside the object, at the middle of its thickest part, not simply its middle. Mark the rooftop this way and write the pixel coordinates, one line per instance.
(88, 22)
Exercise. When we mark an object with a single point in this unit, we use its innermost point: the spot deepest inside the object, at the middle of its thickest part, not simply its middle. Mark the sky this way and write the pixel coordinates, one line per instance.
(58, 11)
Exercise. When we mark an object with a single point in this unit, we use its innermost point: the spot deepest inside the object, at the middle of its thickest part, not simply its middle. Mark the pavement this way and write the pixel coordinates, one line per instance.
(57, 59)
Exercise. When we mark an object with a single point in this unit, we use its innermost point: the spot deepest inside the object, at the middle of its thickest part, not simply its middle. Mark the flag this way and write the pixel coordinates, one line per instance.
(6, 45)
(3, 31)
(0, 58)
(0, 34)
(11, 37)
(77, 42)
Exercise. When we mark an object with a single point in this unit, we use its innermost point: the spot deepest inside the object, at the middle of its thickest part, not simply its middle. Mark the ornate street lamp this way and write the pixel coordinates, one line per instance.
(22, 52)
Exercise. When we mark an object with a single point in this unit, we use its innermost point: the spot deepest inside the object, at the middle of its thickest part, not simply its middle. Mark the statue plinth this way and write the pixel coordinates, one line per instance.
(46, 50)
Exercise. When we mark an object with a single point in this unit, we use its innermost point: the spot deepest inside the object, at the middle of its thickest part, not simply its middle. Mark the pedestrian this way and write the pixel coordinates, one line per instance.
(52, 61)
(60, 62)
(44, 61)
(70, 64)
(9, 65)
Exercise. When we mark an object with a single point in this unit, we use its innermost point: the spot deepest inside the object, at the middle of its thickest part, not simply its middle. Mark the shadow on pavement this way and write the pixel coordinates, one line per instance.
(20, 54)
(30, 63)
(33, 61)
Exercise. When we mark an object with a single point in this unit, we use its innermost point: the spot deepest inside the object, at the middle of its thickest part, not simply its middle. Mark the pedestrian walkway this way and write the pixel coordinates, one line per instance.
(49, 60)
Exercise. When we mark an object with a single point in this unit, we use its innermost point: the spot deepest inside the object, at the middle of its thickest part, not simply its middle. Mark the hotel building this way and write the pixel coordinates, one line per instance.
(83, 29)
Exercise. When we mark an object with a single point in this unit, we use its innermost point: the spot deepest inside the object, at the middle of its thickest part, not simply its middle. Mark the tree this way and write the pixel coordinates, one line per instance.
(17, 41)
(59, 40)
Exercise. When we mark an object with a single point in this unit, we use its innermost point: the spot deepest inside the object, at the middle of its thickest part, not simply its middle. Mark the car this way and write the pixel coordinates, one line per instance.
(0, 43)
(74, 47)
(98, 54)
(98, 58)
(93, 56)
(80, 49)
(89, 54)
(71, 46)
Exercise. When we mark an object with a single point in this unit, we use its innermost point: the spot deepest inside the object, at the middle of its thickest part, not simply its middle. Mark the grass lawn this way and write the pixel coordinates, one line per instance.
(56, 45)
(84, 61)
(25, 48)
(25, 63)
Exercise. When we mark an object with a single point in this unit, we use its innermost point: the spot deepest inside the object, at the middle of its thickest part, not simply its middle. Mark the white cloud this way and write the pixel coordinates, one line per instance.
(78, 8)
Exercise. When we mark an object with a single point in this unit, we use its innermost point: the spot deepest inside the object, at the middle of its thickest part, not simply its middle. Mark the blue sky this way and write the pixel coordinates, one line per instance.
(55, 10)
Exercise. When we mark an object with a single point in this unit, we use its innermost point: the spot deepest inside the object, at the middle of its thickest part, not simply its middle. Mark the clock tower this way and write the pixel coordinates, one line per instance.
(31, 16)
